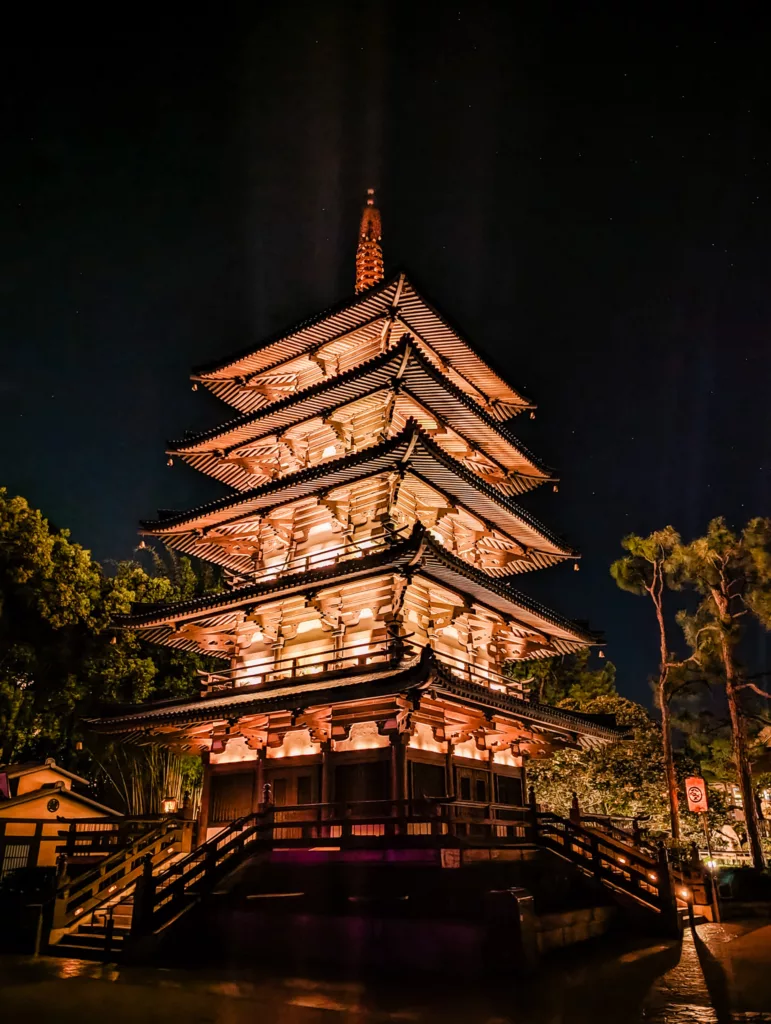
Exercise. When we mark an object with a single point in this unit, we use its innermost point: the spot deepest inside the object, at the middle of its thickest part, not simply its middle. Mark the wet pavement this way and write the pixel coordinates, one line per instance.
(720, 974)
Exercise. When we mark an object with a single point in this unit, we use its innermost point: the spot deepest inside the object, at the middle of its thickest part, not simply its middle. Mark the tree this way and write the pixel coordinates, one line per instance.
(646, 569)
(60, 657)
(570, 676)
(732, 573)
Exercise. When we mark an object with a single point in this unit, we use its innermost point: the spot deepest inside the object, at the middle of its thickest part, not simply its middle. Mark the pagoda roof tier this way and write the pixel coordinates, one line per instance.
(232, 520)
(342, 336)
(346, 412)
(418, 556)
(413, 678)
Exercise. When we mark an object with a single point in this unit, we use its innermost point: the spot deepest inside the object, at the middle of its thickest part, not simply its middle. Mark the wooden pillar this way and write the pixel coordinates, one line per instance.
(399, 743)
(259, 779)
(491, 770)
(326, 775)
(449, 771)
(203, 814)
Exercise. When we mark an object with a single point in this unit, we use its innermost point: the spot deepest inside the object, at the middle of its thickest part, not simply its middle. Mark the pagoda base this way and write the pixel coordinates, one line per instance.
(377, 909)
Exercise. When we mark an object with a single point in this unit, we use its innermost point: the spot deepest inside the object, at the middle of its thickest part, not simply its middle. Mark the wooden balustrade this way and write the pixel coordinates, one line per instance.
(77, 898)
(355, 655)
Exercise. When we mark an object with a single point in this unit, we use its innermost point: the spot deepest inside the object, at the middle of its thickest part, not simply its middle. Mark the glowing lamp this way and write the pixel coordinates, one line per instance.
(169, 805)
(78, 910)
(112, 888)
(622, 860)
(652, 876)
(684, 894)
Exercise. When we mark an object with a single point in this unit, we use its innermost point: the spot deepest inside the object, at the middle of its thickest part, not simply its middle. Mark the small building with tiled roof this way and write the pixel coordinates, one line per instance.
(37, 803)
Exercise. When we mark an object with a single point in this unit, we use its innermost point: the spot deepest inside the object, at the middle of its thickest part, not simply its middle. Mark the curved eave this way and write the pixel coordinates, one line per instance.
(336, 472)
(397, 293)
(418, 674)
(423, 458)
(419, 379)
(419, 553)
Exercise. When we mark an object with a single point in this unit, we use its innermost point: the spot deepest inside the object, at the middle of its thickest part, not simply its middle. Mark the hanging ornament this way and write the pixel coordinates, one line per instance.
(170, 461)
(576, 567)
(532, 415)
(194, 387)
(556, 488)
(601, 654)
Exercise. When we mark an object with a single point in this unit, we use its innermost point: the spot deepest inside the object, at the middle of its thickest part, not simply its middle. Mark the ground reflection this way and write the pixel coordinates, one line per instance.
(700, 982)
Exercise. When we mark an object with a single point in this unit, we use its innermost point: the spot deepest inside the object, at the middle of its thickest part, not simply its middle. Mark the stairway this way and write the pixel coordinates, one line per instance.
(93, 939)
(637, 877)
(93, 912)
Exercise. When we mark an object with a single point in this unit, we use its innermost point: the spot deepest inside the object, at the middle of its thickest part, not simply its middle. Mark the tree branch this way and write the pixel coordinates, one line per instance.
(754, 688)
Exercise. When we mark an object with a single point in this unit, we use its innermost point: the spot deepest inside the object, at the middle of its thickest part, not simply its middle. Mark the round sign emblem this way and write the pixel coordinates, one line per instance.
(53, 805)
(695, 794)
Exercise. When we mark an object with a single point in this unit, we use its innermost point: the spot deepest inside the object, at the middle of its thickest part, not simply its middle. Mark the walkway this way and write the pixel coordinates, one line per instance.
(721, 975)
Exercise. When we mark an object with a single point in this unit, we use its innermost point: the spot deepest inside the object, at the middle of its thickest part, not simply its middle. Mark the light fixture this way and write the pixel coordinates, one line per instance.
(653, 877)
(622, 860)
(169, 805)
(685, 894)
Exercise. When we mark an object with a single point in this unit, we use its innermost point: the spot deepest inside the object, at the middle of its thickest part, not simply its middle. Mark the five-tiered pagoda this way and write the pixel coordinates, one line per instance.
(369, 542)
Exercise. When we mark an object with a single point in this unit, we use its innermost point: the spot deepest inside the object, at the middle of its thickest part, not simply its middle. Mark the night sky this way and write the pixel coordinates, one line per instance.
(588, 198)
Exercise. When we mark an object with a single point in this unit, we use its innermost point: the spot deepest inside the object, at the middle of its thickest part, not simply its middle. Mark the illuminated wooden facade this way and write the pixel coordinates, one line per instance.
(368, 543)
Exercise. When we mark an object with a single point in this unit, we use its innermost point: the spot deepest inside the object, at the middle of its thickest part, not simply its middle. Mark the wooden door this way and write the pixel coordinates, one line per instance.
(291, 786)
(231, 796)
(473, 784)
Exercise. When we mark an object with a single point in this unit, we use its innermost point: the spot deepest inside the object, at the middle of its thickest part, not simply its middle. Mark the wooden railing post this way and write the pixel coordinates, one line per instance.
(144, 897)
(575, 810)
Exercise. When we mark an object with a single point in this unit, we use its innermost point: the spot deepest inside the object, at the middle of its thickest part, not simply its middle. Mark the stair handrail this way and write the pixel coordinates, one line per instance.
(76, 898)
(620, 866)
(153, 893)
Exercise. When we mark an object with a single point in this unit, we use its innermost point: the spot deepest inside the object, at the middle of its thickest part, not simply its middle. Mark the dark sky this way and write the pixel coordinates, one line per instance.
(586, 194)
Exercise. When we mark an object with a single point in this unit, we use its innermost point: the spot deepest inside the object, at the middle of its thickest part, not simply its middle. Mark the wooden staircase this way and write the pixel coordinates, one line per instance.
(138, 893)
(93, 912)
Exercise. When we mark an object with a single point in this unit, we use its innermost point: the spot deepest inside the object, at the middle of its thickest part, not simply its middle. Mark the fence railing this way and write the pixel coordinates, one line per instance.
(76, 898)
(357, 655)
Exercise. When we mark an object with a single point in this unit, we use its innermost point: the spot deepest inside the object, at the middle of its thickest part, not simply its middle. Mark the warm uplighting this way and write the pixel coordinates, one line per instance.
(169, 805)
(653, 877)
(622, 860)
(423, 739)
(112, 888)
(684, 894)
(296, 743)
(712, 864)
(78, 910)
(362, 736)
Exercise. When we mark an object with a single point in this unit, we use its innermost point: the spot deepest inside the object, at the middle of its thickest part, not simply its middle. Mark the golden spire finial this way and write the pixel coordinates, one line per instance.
(369, 255)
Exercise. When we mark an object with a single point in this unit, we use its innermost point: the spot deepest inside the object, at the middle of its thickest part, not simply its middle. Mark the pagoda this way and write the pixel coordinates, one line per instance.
(368, 544)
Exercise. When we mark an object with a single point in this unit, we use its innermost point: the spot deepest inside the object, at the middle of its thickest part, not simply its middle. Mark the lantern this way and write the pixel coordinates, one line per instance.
(169, 805)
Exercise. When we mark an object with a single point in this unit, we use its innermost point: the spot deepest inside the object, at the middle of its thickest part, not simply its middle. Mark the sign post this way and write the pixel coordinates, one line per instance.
(696, 794)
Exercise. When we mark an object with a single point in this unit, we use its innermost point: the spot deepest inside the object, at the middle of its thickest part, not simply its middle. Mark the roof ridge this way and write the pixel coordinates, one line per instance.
(337, 307)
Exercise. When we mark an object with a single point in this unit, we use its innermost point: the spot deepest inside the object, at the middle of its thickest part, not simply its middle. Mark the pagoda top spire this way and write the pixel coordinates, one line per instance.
(369, 255)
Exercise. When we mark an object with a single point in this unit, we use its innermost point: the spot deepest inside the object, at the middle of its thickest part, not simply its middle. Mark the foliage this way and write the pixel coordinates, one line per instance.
(731, 572)
(59, 657)
(555, 679)
(623, 779)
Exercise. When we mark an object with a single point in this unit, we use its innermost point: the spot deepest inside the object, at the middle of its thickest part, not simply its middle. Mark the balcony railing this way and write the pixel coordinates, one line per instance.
(320, 559)
(350, 656)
